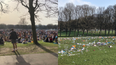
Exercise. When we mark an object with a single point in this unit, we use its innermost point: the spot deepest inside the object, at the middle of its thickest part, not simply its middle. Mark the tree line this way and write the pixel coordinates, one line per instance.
(49, 26)
(85, 18)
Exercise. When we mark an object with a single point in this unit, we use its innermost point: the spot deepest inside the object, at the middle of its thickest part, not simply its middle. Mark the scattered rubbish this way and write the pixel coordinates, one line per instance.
(72, 47)
(94, 45)
(73, 62)
(110, 46)
(83, 45)
(83, 48)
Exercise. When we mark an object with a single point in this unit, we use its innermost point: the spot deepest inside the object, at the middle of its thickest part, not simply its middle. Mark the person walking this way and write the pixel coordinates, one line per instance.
(13, 37)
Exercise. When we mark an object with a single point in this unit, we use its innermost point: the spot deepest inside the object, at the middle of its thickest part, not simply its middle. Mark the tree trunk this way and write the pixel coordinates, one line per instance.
(95, 30)
(78, 31)
(66, 29)
(115, 31)
(112, 31)
(108, 31)
(105, 31)
(87, 32)
(75, 32)
(100, 32)
(69, 31)
(60, 30)
(83, 32)
(31, 12)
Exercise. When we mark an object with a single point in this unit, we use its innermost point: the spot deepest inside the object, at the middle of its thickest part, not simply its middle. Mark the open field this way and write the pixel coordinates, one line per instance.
(90, 33)
(95, 52)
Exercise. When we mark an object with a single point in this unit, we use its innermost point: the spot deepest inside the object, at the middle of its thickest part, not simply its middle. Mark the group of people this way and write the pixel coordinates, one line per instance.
(24, 36)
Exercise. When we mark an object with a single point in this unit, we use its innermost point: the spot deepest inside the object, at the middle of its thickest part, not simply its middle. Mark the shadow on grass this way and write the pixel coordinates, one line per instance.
(20, 59)
(47, 50)
(1, 44)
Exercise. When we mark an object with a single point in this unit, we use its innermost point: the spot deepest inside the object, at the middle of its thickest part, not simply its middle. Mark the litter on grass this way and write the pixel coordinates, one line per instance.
(71, 46)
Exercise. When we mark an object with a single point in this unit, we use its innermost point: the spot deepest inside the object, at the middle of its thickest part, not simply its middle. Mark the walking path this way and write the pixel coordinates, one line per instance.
(29, 59)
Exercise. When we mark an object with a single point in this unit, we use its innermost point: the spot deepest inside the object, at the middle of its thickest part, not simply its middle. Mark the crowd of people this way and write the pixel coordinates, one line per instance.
(25, 36)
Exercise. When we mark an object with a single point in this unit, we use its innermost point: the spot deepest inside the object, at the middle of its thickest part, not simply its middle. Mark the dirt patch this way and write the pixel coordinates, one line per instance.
(4, 50)
(27, 50)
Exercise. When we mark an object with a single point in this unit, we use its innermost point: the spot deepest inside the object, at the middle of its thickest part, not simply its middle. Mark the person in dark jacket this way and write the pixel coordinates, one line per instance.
(1, 39)
(13, 37)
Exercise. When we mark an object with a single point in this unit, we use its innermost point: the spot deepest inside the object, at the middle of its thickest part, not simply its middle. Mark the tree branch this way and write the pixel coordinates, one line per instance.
(16, 8)
(1, 6)
(54, 2)
(36, 4)
(22, 2)
(37, 18)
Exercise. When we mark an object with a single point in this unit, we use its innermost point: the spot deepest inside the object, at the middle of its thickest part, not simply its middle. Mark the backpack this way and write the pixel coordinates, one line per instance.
(13, 35)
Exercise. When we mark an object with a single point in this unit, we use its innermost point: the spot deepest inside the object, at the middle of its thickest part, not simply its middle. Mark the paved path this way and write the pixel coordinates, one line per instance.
(29, 59)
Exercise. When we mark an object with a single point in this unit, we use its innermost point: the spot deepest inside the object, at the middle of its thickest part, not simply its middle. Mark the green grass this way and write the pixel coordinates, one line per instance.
(103, 55)
(63, 34)
(9, 44)
(48, 44)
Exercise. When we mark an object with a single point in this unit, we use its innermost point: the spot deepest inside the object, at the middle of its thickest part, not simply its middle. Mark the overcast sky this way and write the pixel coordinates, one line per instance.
(97, 3)
(13, 17)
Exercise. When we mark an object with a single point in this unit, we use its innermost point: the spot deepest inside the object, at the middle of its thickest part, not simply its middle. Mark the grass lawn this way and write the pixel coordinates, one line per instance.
(63, 34)
(29, 48)
(91, 55)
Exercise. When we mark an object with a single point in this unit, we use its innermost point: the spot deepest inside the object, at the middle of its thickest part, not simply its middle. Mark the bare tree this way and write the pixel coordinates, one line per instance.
(77, 16)
(90, 18)
(65, 19)
(70, 8)
(87, 18)
(35, 6)
(60, 18)
(23, 21)
(3, 7)
(110, 12)
(85, 13)
(100, 18)
(114, 18)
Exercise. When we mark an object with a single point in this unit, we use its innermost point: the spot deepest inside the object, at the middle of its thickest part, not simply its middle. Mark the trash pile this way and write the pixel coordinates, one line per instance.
(79, 45)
